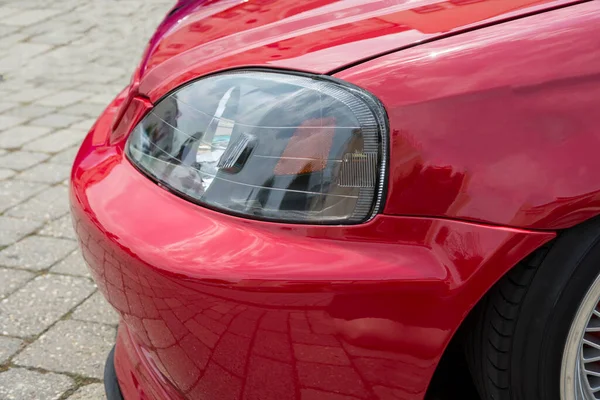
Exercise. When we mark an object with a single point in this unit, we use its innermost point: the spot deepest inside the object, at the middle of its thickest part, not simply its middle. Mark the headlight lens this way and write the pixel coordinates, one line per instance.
(268, 145)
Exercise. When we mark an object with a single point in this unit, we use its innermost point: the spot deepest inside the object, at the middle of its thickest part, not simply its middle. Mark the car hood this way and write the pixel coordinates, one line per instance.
(318, 36)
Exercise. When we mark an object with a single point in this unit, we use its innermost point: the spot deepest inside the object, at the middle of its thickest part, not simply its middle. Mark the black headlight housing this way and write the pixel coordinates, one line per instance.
(268, 145)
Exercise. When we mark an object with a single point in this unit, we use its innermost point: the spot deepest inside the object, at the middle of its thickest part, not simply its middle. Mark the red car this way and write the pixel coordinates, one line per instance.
(352, 199)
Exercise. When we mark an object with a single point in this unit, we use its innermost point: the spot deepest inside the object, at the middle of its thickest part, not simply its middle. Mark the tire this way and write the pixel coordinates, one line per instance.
(111, 383)
(514, 346)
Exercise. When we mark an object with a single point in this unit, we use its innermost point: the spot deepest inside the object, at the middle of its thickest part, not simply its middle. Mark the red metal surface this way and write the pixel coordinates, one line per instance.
(312, 35)
(221, 307)
(138, 377)
(132, 113)
(497, 125)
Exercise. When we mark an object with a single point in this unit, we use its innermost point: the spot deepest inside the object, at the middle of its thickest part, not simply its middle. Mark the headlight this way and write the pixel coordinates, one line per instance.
(268, 145)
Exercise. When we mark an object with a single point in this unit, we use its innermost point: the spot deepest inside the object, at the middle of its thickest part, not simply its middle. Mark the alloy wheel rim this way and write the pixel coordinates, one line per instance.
(580, 370)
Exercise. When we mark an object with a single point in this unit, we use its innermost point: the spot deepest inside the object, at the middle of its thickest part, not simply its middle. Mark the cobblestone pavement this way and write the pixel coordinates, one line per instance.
(61, 62)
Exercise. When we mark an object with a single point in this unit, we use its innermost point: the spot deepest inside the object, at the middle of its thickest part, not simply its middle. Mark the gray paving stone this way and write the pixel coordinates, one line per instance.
(13, 192)
(61, 227)
(13, 229)
(83, 109)
(36, 252)
(84, 125)
(22, 384)
(11, 279)
(5, 11)
(103, 87)
(29, 111)
(6, 30)
(46, 172)
(27, 95)
(70, 346)
(6, 173)
(56, 141)
(10, 86)
(19, 135)
(29, 17)
(95, 391)
(28, 50)
(74, 264)
(103, 99)
(40, 303)
(96, 309)
(8, 347)
(58, 85)
(45, 206)
(61, 62)
(36, 29)
(4, 106)
(53, 38)
(56, 120)
(20, 160)
(66, 156)
(6, 121)
(10, 40)
(64, 98)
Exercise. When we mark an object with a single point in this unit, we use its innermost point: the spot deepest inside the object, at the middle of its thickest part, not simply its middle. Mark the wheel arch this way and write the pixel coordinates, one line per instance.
(452, 368)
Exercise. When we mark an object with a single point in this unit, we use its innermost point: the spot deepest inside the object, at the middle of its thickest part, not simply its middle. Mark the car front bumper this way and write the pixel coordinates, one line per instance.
(220, 307)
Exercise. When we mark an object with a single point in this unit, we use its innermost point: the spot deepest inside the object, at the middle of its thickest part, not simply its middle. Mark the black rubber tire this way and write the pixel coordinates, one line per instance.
(515, 343)
(111, 383)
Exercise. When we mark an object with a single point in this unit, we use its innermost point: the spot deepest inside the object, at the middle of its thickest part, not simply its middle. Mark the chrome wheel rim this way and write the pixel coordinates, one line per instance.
(580, 371)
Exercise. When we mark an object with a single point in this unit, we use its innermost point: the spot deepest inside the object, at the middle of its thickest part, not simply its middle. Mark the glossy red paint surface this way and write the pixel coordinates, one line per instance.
(215, 306)
(312, 35)
(490, 125)
(501, 123)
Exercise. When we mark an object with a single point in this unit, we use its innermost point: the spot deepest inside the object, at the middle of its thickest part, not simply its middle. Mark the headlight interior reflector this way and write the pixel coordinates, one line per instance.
(268, 145)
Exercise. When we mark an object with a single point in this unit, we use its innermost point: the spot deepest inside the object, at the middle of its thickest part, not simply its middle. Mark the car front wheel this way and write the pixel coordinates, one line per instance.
(536, 334)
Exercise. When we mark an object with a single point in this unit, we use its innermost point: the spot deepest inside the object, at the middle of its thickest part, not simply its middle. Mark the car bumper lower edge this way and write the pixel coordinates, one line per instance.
(219, 307)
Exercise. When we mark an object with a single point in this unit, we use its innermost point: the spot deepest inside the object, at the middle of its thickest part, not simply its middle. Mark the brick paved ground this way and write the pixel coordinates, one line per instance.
(61, 62)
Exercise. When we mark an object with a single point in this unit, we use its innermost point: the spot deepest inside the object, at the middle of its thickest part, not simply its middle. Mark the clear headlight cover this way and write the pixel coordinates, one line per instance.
(268, 145)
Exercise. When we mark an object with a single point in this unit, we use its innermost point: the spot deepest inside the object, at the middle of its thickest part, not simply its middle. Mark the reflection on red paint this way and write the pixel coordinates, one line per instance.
(317, 36)
(204, 25)
(483, 121)
(448, 15)
(200, 29)
(215, 306)
(219, 307)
